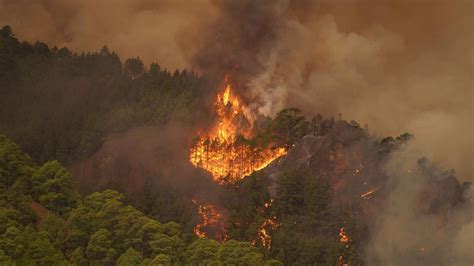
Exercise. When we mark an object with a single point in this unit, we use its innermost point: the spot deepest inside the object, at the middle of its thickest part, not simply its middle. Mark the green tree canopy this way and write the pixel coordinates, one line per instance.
(100, 248)
(239, 253)
(52, 186)
(203, 251)
(14, 163)
(133, 67)
(289, 126)
(130, 257)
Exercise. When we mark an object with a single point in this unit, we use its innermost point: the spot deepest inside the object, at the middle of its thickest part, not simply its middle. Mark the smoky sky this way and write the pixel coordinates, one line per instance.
(410, 232)
(399, 66)
(145, 28)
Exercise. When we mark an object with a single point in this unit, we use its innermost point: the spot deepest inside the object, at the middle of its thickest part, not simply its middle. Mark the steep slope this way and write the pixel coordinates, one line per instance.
(378, 189)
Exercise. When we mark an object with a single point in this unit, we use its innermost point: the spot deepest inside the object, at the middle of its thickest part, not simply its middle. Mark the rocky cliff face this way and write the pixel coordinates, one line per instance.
(363, 180)
(346, 157)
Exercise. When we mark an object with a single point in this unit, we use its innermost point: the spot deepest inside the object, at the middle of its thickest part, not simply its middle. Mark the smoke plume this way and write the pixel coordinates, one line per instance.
(145, 28)
(397, 66)
(419, 224)
(146, 158)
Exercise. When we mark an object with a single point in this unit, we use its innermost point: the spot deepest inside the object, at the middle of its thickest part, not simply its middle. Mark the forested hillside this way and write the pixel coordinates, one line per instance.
(44, 221)
(95, 169)
(60, 105)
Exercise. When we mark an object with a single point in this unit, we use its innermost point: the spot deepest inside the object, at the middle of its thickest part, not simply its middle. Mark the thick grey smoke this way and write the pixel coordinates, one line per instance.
(396, 65)
(240, 37)
(146, 28)
(126, 161)
(425, 221)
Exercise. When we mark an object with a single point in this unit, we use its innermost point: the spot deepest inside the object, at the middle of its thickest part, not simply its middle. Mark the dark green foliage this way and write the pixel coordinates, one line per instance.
(315, 124)
(51, 185)
(405, 137)
(326, 126)
(96, 230)
(161, 259)
(273, 263)
(389, 144)
(239, 253)
(290, 191)
(15, 209)
(202, 250)
(59, 105)
(99, 250)
(8, 218)
(25, 246)
(54, 228)
(308, 228)
(14, 164)
(6, 32)
(289, 126)
(16, 168)
(165, 203)
(296, 248)
(5, 259)
(77, 257)
(248, 208)
(317, 197)
(302, 204)
(133, 67)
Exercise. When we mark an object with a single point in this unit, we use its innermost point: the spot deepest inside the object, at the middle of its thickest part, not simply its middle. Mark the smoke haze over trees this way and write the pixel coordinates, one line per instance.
(99, 229)
(396, 66)
(114, 111)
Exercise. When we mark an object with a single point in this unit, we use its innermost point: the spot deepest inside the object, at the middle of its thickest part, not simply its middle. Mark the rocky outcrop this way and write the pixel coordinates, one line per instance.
(346, 157)
(354, 164)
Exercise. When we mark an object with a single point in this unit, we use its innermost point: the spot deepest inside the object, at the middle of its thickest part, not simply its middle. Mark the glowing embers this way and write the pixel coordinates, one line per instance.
(263, 231)
(342, 235)
(369, 194)
(225, 151)
(211, 221)
(344, 239)
(267, 227)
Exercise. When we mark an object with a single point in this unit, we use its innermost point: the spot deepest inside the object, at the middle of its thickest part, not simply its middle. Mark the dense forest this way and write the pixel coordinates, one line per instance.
(58, 108)
(44, 221)
(60, 105)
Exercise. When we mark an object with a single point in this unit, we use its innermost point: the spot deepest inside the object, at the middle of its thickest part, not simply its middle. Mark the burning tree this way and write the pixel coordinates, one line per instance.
(210, 220)
(226, 151)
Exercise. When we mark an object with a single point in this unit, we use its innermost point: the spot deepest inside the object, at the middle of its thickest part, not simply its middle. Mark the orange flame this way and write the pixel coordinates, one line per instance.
(225, 96)
(263, 234)
(209, 218)
(224, 151)
(342, 235)
(268, 225)
(368, 194)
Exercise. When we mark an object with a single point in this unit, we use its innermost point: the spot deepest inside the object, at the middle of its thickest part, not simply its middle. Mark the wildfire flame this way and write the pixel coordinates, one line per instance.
(368, 194)
(344, 239)
(224, 151)
(269, 224)
(263, 235)
(209, 218)
(342, 235)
